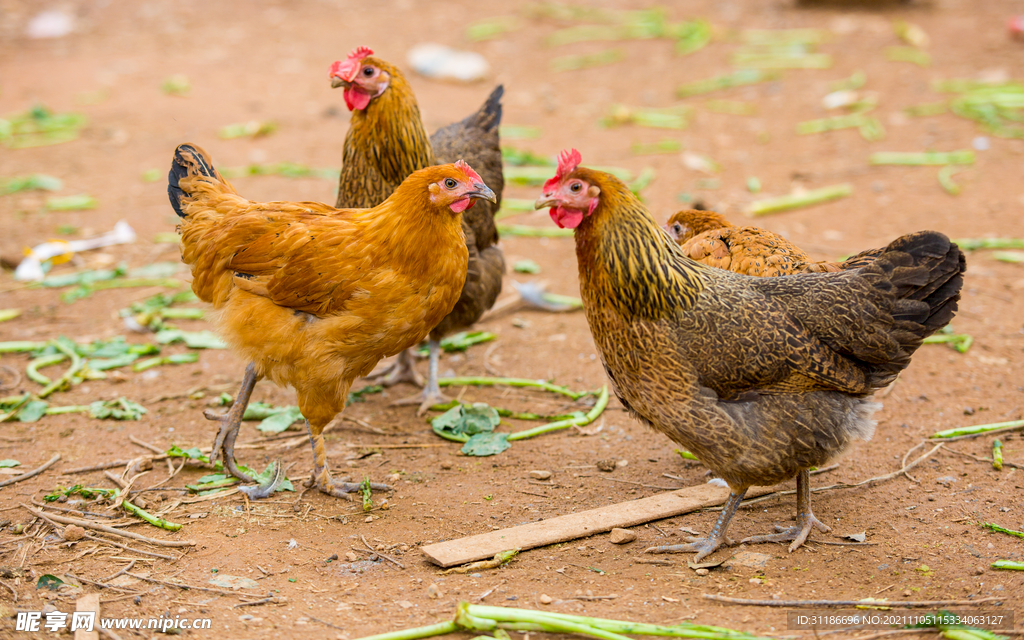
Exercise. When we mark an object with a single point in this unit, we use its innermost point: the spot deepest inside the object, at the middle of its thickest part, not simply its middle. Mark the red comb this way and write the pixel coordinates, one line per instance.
(568, 160)
(468, 170)
(348, 69)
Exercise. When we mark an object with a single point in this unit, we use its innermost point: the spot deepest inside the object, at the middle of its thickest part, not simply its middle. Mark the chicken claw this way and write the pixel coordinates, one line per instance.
(403, 369)
(231, 421)
(717, 538)
(805, 519)
(431, 394)
(321, 478)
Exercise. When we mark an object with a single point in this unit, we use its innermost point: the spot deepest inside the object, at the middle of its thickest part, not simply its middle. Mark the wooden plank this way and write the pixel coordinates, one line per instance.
(88, 602)
(580, 525)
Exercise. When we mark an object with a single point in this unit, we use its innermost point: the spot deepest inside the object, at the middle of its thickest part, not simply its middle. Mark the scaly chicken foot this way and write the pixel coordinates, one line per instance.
(231, 422)
(717, 538)
(403, 369)
(805, 519)
(321, 478)
(431, 394)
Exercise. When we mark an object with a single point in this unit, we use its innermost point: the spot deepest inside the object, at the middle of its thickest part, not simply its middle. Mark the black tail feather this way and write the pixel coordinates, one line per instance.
(925, 271)
(188, 159)
(489, 115)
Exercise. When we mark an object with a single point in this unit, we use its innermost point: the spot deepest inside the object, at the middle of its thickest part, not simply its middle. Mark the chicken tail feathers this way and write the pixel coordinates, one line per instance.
(488, 117)
(189, 160)
(924, 273)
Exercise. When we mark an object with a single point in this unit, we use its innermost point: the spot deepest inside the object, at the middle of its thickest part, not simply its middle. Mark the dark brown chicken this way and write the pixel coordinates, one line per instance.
(312, 296)
(385, 143)
(761, 378)
(708, 238)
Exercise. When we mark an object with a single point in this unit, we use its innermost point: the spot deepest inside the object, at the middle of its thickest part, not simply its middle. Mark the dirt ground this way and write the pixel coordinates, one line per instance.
(269, 61)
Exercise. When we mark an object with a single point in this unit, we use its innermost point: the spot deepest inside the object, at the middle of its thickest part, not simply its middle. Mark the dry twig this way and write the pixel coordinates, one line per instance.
(372, 550)
(54, 518)
(34, 472)
(187, 587)
(896, 604)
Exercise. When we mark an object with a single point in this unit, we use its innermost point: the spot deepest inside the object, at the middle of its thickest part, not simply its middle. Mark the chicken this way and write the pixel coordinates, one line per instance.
(314, 296)
(761, 378)
(710, 239)
(385, 143)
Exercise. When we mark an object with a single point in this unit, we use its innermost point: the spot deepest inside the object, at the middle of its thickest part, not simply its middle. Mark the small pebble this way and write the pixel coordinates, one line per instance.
(446, 465)
(368, 519)
(981, 143)
(351, 556)
(702, 571)
(73, 532)
(606, 465)
(755, 581)
(621, 536)
(545, 599)
(907, 593)
(394, 477)
(540, 474)
(433, 591)
(978, 571)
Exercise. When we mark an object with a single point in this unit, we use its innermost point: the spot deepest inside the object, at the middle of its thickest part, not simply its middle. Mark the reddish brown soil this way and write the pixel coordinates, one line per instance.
(269, 61)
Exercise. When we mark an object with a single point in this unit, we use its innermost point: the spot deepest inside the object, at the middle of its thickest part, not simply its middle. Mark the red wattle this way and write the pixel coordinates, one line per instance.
(461, 204)
(566, 218)
(356, 99)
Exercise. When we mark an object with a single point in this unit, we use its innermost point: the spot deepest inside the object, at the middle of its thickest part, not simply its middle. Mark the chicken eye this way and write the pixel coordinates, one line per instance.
(450, 183)
(678, 228)
(575, 187)
(367, 71)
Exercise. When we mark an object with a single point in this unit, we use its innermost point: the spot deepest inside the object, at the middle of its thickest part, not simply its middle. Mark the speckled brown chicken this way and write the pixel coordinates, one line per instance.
(761, 378)
(708, 238)
(385, 143)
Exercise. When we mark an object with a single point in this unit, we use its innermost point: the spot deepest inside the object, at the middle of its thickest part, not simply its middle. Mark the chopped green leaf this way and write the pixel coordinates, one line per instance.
(36, 181)
(49, 581)
(463, 421)
(192, 339)
(7, 464)
(1008, 564)
(526, 266)
(251, 129)
(32, 411)
(486, 444)
(280, 421)
(71, 203)
(39, 127)
(176, 85)
(119, 409)
(360, 396)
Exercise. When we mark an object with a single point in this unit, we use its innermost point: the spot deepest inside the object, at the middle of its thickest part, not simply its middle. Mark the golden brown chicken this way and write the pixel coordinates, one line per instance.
(761, 378)
(312, 296)
(385, 143)
(708, 238)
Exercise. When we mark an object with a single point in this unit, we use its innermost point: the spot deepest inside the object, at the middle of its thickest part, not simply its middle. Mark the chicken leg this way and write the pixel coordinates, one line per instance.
(224, 443)
(431, 394)
(805, 519)
(403, 369)
(321, 478)
(706, 546)
(231, 422)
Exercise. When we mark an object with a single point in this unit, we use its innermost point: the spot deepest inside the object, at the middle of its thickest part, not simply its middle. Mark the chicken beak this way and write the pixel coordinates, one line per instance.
(483, 192)
(338, 82)
(546, 200)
